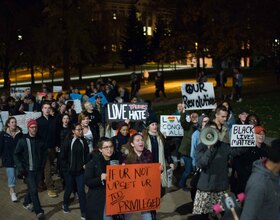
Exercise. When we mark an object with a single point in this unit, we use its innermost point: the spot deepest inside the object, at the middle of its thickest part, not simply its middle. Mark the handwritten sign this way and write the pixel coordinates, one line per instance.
(18, 92)
(103, 98)
(132, 188)
(74, 96)
(243, 136)
(57, 88)
(170, 125)
(198, 96)
(22, 119)
(4, 115)
(123, 111)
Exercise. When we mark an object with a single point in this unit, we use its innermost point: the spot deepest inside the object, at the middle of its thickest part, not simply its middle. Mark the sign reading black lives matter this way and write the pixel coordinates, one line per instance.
(243, 136)
(123, 111)
(198, 96)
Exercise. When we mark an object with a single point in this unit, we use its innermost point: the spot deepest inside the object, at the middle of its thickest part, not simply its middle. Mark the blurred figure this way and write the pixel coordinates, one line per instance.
(221, 80)
(159, 83)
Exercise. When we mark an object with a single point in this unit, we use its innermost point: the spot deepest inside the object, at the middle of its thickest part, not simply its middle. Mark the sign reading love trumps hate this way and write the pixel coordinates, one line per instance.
(198, 96)
(132, 188)
(243, 136)
(123, 111)
(170, 125)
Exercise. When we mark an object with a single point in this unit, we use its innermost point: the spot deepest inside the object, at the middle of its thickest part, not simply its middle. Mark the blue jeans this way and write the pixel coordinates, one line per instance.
(69, 186)
(187, 171)
(11, 174)
(33, 178)
(145, 216)
(106, 217)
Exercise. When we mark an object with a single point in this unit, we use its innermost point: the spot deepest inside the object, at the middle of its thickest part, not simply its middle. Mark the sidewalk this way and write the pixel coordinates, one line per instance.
(175, 205)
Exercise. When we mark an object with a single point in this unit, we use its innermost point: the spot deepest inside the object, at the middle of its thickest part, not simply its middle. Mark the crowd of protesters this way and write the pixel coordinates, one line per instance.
(83, 144)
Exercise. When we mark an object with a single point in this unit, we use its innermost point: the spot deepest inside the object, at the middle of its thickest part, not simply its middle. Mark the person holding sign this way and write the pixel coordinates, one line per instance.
(135, 152)
(95, 179)
(244, 163)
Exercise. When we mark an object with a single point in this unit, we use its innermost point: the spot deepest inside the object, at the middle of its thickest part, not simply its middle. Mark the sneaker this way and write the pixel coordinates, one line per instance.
(28, 207)
(83, 216)
(41, 216)
(52, 193)
(14, 197)
(65, 209)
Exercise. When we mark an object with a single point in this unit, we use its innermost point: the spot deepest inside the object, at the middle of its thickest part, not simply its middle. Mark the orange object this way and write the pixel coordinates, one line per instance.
(132, 188)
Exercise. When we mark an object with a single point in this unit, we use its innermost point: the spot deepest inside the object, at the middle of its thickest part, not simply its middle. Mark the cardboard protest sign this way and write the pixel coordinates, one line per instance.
(18, 92)
(132, 188)
(57, 88)
(103, 98)
(74, 96)
(123, 111)
(78, 106)
(198, 96)
(22, 119)
(170, 125)
(4, 115)
(40, 95)
(243, 136)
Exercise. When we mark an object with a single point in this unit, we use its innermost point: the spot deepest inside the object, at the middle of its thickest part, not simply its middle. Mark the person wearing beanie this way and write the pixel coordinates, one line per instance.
(263, 190)
(155, 142)
(243, 164)
(30, 156)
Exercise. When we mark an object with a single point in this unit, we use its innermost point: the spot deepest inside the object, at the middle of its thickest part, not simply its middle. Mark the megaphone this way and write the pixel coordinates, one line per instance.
(209, 136)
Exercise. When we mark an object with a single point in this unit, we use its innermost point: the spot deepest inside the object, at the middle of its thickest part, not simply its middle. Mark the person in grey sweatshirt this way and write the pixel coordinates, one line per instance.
(263, 190)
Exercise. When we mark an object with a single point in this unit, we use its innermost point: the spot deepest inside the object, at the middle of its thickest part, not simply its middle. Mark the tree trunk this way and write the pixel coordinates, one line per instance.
(6, 76)
(66, 69)
(32, 74)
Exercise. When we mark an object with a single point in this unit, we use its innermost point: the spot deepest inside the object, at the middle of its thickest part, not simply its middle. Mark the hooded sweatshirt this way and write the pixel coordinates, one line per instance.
(262, 194)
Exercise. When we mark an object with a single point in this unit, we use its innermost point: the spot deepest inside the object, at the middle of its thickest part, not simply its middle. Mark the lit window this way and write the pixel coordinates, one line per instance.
(149, 31)
(114, 16)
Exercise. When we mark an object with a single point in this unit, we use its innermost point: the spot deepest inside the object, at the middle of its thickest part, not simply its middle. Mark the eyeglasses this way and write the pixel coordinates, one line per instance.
(108, 147)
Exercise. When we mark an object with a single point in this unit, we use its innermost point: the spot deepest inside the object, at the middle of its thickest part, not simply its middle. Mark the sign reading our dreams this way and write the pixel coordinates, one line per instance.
(123, 111)
(243, 136)
(170, 125)
(198, 96)
(132, 188)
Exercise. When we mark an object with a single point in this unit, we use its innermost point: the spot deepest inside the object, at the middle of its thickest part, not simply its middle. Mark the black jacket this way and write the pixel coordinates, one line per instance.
(47, 131)
(8, 146)
(72, 157)
(38, 152)
(97, 191)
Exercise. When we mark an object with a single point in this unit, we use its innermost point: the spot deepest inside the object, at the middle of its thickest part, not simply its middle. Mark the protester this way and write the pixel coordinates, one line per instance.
(8, 140)
(221, 80)
(189, 124)
(101, 109)
(48, 132)
(202, 77)
(159, 83)
(243, 164)
(242, 117)
(95, 179)
(88, 134)
(136, 153)
(30, 156)
(263, 190)
(253, 119)
(237, 84)
(73, 157)
(230, 118)
(221, 115)
(213, 181)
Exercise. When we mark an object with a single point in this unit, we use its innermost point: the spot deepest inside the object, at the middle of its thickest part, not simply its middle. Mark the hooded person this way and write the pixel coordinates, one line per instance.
(263, 190)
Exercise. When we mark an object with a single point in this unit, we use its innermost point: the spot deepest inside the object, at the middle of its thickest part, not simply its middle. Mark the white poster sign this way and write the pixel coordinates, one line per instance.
(4, 116)
(18, 92)
(170, 125)
(23, 119)
(198, 96)
(243, 136)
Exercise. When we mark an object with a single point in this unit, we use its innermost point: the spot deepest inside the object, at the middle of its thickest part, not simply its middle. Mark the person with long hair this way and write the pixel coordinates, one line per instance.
(95, 179)
(8, 141)
(134, 152)
(88, 133)
(73, 157)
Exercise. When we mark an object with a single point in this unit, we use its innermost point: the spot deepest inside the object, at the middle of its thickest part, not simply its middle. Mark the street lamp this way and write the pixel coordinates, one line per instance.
(196, 56)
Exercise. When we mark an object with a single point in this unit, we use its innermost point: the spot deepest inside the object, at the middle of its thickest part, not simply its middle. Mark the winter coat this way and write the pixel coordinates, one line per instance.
(262, 194)
(97, 192)
(8, 146)
(33, 159)
(73, 158)
(214, 165)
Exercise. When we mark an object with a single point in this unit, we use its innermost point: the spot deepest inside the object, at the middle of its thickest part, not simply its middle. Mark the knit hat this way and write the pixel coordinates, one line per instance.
(31, 122)
(150, 120)
(259, 129)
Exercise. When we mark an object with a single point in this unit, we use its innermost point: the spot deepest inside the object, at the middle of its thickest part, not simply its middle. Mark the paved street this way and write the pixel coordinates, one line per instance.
(175, 205)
